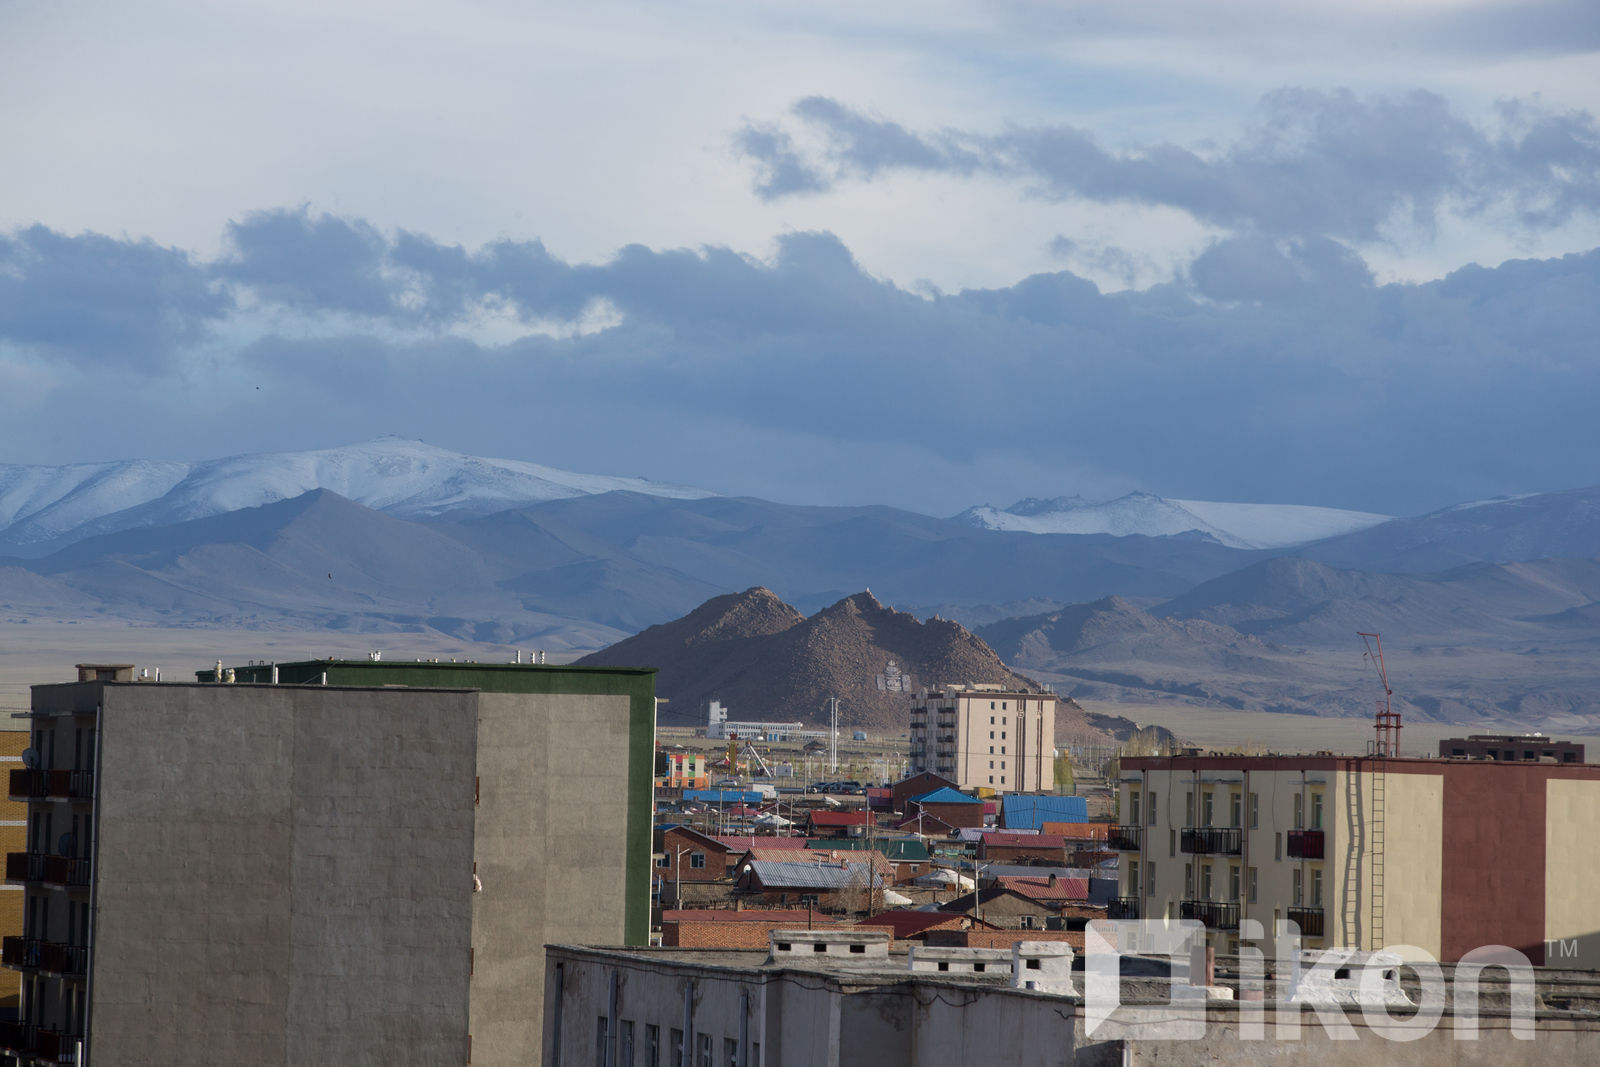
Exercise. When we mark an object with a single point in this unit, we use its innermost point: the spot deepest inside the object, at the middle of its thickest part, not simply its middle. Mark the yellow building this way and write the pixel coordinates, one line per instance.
(1444, 855)
(986, 737)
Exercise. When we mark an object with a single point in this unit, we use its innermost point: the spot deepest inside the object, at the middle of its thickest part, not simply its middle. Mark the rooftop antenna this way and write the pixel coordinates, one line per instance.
(1386, 726)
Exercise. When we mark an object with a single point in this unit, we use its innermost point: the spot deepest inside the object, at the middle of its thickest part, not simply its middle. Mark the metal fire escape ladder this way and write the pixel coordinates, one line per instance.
(1376, 844)
(1386, 743)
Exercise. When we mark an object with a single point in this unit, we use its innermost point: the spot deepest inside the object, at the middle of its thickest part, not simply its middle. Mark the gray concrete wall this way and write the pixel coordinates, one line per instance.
(284, 875)
(551, 856)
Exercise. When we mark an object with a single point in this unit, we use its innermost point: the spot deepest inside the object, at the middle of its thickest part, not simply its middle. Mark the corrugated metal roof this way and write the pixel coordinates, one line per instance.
(945, 795)
(899, 849)
(1041, 889)
(794, 875)
(1019, 812)
(1002, 839)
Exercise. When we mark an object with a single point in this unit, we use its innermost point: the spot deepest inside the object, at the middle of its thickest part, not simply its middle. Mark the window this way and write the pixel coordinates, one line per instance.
(1150, 808)
(1172, 842)
(1025, 923)
(1188, 881)
(1316, 888)
(1002, 779)
(1299, 812)
(1133, 806)
(678, 1052)
(730, 1052)
(1277, 845)
(705, 1057)
(1003, 705)
(1208, 807)
(1233, 882)
(1205, 881)
(1150, 880)
(697, 860)
(602, 1034)
(1316, 810)
(991, 737)
(1133, 878)
(1251, 879)
(1235, 802)
(663, 860)
(1188, 808)
(991, 779)
(1297, 896)
(1255, 810)
(1002, 737)
(625, 1045)
(1002, 750)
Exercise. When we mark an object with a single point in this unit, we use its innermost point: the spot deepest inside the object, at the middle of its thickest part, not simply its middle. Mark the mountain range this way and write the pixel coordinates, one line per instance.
(1493, 607)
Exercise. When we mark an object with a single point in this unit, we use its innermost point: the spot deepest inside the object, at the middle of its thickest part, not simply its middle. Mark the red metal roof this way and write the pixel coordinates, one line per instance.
(1001, 839)
(1077, 831)
(1041, 889)
(910, 923)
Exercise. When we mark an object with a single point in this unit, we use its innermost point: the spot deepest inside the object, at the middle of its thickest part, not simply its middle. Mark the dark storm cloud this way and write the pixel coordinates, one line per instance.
(97, 300)
(1326, 163)
(1276, 369)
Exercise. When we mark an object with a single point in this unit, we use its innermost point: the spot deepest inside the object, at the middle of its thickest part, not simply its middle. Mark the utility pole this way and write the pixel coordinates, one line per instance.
(833, 735)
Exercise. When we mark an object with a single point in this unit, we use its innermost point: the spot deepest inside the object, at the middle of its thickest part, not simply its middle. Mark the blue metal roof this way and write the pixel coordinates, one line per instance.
(1029, 813)
(945, 795)
(721, 796)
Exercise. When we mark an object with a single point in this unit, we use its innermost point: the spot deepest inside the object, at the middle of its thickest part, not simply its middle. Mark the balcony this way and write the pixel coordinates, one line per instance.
(52, 785)
(1305, 844)
(1211, 840)
(49, 957)
(1125, 838)
(1308, 919)
(51, 1046)
(1214, 914)
(1122, 908)
(67, 871)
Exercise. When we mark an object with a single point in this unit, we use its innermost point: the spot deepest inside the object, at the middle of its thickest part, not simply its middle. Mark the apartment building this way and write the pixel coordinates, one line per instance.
(985, 737)
(361, 862)
(1362, 852)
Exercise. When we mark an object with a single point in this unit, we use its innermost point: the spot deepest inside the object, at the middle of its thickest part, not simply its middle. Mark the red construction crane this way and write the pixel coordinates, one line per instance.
(1387, 724)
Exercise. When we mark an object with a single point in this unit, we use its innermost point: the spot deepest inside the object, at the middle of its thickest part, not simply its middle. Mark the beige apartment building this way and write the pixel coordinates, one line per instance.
(986, 737)
(1446, 855)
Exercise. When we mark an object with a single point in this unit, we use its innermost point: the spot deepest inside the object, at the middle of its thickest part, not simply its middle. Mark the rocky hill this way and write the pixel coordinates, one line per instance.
(767, 662)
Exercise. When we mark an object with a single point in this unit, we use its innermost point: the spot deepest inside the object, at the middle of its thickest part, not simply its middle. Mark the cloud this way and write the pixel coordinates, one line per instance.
(1313, 163)
(98, 301)
(1277, 368)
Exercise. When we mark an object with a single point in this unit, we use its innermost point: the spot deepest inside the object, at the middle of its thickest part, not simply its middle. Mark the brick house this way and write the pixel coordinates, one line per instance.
(948, 805)
(917, 785)
(729, 928)
(1002, 847)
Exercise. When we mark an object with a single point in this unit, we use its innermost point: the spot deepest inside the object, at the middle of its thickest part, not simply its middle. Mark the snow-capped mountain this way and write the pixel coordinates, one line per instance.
(1234, 525)
(404, 478)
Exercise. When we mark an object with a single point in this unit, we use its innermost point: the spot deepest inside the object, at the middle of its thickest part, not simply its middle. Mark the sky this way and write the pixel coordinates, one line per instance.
(933, 255)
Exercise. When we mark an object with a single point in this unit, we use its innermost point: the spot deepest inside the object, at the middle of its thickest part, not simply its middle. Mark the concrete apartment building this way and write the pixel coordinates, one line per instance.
(985, 736)
(1445, 855)
(359, 863)
(848, 997)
